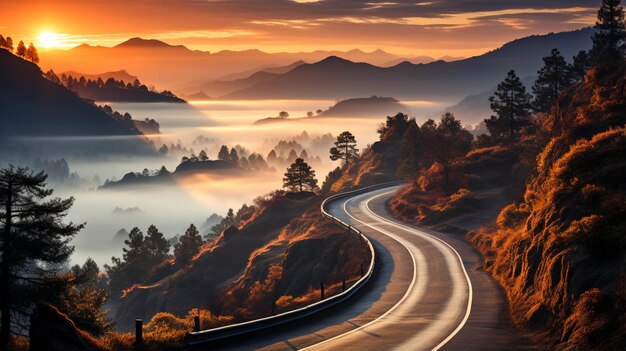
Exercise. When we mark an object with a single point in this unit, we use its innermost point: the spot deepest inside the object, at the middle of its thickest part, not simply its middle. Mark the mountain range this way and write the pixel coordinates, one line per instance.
(338, 78)
(148, 57)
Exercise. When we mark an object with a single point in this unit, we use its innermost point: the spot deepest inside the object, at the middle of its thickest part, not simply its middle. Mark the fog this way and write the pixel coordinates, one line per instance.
(172, 207)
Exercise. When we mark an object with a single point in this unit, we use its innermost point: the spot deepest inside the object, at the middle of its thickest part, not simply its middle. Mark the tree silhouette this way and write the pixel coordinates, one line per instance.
(21, 49)
(32, 55)
(331, 178)
(552, 78)
(300, 177)
(411, 149)
(156, 246)
(580, 65)
(511, 105)
(223, 154)
(345, 148)
(3, 42)
(234, 156)
(293, 155)
(188, 245)
(271, 157)
(203, 156)
(33, 241)
(283, 114)
(9, 44)
(608, 41)
(446, 142)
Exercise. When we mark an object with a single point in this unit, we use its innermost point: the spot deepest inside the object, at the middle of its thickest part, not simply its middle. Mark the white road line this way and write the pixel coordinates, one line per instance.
(409, 291)
(424, 234)
(406, 295)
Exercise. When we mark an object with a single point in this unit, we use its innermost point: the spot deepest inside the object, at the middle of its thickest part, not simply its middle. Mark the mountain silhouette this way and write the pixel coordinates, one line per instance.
(33, 106)
(337, 78)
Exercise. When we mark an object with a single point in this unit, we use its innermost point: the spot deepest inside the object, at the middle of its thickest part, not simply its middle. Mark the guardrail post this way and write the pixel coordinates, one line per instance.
(196, 323)
(343, 285)
(138, 331)
(322, 290)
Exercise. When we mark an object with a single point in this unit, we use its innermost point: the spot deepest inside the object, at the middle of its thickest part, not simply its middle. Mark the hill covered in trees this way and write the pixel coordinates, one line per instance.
(34, 107)
(111, 90)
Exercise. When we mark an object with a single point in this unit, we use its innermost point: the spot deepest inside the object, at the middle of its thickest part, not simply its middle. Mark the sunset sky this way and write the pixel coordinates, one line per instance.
(409, 28)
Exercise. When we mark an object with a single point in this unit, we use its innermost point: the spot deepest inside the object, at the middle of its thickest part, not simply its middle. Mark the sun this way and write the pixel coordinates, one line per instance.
(49, 40)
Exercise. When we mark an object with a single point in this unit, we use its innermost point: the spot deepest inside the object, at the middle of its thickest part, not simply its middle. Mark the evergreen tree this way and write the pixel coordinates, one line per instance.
(283, 114)
(552, 78)
(394, 127)
(32, 55)
(511, 105)
(608, 41)
(9, 44)
(223, 154)
(234, 156)
(293, 155)
(203, 156)
(300, 177)
(579, 67)
(411, 149)
(34, 242)
(3, 42)
(156, 246)
(271, 157)
(188, 245)
(445, 143)
(345, 148)
(21, 49)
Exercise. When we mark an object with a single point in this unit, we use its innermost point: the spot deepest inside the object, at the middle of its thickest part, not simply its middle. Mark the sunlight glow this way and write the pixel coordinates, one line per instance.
(50, 40)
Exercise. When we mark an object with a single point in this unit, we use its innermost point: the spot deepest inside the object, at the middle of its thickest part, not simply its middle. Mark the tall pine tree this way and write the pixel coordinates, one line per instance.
(580, 65)
(512, 108)
(552, 78)
(345, 148)
(300, 177)
(34, 242)
(188, 245)
(608, 41)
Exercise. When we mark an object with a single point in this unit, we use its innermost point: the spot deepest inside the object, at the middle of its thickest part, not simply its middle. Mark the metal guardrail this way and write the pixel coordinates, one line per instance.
(204, 336)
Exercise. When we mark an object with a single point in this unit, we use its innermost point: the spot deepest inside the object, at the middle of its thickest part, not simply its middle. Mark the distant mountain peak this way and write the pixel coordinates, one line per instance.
(137, 42)
(334, 60)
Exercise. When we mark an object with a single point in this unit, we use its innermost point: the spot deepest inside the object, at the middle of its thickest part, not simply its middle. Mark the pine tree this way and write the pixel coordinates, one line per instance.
(3, 42)
(331, 178)
(411, 149)
(579, 67)
(552, 78)
(188, 245)
(511, 105)
(345, 148)
(156, 246)
(34, 241)
(234, 156)
(608, 41)
(31, 54)
(300, 177)
(9, 44)
(444, 143)
(203, 156)
(21, 49)
(223, 154)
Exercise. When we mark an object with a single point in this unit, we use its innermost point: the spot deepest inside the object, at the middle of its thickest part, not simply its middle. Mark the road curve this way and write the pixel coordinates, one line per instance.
(427, 293)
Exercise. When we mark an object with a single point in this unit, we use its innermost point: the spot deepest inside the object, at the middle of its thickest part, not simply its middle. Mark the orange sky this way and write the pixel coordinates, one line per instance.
(409, 28)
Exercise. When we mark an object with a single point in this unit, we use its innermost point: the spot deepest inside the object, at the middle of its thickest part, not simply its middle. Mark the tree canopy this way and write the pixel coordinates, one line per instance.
(34, 242)
(553, 77)
(344, 149)
(512, 108)
(608, 41)
(188, 245)
(300, 177)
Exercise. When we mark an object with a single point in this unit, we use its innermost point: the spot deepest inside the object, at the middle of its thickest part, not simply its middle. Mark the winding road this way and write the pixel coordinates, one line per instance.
(427, 293)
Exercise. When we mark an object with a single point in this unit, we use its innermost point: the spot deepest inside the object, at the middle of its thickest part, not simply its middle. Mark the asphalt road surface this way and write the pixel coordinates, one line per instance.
(427, 293)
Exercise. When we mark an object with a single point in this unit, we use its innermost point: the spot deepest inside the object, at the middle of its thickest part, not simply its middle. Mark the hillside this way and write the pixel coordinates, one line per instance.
(279, 254)
(560, 252)
(374, 106)
(34, 107)
(117, 75)
(335, 77)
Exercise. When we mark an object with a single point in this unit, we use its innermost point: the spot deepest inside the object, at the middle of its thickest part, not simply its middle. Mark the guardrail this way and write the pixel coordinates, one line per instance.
(204, 336)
